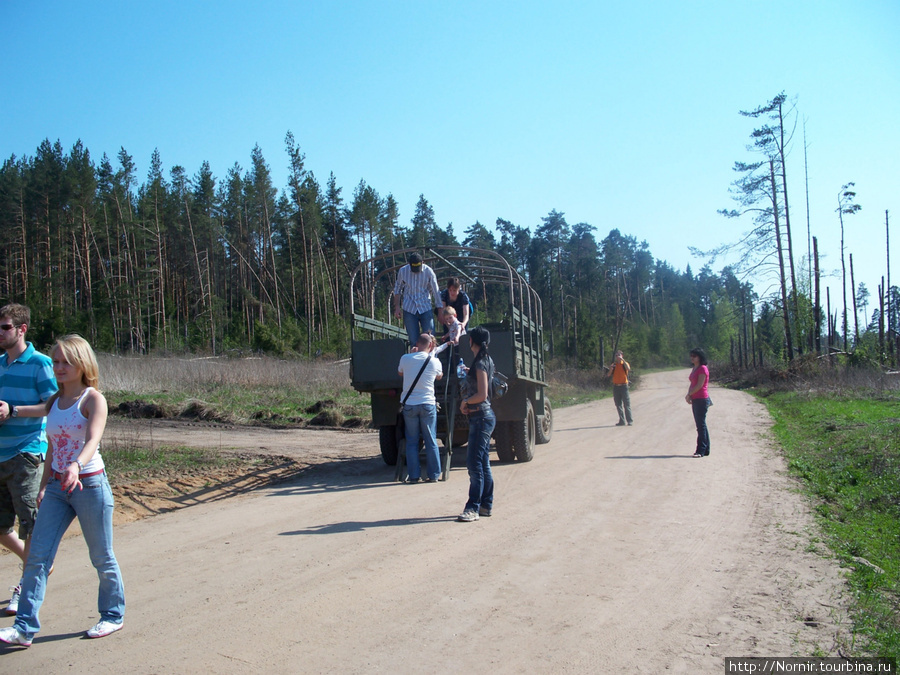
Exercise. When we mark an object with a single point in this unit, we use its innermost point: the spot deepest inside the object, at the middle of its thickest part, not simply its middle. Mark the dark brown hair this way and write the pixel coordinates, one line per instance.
(18, 314)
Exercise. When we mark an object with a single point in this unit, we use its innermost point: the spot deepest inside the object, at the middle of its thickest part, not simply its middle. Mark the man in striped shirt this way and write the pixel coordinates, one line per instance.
(416, 292)
(26, 378)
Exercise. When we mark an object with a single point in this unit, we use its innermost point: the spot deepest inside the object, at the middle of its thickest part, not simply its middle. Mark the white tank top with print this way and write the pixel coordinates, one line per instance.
(66, 431)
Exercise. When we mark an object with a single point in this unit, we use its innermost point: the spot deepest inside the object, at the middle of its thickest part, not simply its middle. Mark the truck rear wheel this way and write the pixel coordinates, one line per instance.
(523, 434)
(545, 427)
(389, 440)
(503, 441)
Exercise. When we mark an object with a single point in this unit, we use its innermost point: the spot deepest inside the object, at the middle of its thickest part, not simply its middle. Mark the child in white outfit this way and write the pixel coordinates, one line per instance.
(455, 327)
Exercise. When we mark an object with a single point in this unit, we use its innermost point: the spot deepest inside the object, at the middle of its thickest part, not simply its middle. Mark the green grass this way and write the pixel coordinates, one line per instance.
(846, 451)
(126, 462)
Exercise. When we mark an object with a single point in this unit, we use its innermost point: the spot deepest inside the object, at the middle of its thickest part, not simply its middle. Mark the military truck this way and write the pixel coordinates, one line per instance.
(524, 414)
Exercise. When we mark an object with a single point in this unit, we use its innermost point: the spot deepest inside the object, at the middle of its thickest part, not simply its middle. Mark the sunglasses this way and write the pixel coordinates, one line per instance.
(8, 326)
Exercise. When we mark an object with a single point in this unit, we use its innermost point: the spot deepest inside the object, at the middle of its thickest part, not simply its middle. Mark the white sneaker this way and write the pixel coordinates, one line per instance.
(13, 605)
(12, 636)
(468, 516)
(104, 628)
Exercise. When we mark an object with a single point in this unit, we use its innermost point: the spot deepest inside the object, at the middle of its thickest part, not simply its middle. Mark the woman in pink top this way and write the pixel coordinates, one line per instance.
(698, 398)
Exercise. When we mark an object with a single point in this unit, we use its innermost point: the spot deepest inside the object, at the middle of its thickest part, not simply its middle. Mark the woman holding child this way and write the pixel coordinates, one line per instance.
(454, 297)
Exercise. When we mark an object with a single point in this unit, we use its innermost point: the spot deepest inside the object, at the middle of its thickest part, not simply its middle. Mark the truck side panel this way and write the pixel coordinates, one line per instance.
(385, 407)
(375, 364)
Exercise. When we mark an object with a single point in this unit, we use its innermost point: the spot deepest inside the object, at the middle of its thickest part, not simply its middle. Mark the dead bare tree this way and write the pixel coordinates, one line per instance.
(784, 298)
(771, 141)
(845, 206)
(855, 311)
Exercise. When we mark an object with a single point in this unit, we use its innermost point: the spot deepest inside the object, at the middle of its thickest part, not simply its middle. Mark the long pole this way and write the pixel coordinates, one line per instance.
(855, 311)
(817, 307)
(887, 246)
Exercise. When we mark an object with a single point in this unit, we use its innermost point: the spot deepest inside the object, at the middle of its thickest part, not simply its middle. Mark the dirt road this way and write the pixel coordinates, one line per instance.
(613, 551)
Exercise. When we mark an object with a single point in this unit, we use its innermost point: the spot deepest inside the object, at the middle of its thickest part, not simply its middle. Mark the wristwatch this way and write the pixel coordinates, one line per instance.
(13, 411)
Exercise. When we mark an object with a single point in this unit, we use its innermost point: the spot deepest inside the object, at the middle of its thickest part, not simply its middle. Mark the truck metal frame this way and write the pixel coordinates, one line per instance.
(524, 414)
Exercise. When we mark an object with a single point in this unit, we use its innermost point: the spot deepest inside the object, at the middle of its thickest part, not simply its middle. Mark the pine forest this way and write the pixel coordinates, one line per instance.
(180, 262)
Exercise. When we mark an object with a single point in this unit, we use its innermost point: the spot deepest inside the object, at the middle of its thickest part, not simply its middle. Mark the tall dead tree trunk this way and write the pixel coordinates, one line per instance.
(817, 306)
(744, 359)
(881, 353)
(855, 311)
(889, 321)
(202, 279)
(787, 227)
(845, 205)
(788, 338)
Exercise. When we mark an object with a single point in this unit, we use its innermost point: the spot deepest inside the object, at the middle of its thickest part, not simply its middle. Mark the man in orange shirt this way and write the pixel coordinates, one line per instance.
(619, 371)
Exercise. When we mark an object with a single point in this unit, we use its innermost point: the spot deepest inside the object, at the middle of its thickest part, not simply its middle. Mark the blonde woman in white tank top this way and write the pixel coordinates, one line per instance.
(74, 484)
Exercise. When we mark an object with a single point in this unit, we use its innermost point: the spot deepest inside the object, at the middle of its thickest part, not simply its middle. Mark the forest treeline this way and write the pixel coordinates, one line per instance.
(178, 262)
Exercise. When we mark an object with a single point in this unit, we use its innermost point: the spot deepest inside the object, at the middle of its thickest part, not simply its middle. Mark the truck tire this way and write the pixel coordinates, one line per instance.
(523, 434)
(460, 430)
(503, 441)
(545, 426)
(388, 439)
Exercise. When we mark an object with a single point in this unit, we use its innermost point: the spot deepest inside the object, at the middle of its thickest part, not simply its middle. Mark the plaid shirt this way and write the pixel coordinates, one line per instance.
(415, 289)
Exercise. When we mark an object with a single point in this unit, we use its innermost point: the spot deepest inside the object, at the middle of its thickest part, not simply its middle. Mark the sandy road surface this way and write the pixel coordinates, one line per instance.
(612, 552)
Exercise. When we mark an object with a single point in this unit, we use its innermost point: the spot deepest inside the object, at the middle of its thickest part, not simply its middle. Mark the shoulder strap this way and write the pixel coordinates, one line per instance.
(416, 381)
(81, 400)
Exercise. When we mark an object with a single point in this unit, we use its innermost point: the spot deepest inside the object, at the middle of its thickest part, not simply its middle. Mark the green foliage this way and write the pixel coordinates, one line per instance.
(846, 451)
(193, 263)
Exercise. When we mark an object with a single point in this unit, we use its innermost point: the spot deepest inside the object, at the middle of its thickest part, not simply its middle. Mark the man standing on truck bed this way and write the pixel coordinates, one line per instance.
(415, 293)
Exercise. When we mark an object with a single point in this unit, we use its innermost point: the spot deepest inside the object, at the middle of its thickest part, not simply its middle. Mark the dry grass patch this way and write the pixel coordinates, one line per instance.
(257, 390)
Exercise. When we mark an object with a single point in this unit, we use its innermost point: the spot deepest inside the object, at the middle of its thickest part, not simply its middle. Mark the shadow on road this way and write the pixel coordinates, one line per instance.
(360, 525)
(649, 457)
(360, 474)
(338, 475)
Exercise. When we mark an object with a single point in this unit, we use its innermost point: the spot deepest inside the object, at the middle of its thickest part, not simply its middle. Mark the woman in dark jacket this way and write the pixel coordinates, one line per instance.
(477, 405)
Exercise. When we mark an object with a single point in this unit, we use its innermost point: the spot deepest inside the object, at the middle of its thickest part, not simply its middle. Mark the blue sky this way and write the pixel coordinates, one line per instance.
(619, 116)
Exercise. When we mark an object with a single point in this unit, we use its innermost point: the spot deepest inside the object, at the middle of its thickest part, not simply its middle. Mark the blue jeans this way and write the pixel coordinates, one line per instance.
(416, 324)
(699, 407)
(94, 508)
(478, 460)
(421, 422)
